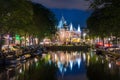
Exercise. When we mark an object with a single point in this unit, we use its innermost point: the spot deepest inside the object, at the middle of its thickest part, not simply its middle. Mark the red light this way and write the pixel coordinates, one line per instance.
(111, 45)
(108, 45)
(100, 43)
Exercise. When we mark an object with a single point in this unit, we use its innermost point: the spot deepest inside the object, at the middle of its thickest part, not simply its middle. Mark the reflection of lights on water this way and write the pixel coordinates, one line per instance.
(78, 62)
(28, 63)
(36, 59)
(107, 58)
(67, 57)
(84, 56)
(109, 65)
(91, 54)
(24, 68)
(61, 58)
(74, 53)
(50, 62)
(96, 58)
(109, 39)
(71, 64)
(65, 69)
(55, 57)
(60, 66)
(88, 58)
(102, 61)
(84, 34)
(20, 71)
(36, 64)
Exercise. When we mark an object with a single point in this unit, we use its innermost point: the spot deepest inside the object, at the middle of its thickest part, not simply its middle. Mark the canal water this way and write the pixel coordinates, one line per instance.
(65, 65)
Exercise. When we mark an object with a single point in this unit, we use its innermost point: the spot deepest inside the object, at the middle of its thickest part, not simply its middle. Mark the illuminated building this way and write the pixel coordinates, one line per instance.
(67, 33)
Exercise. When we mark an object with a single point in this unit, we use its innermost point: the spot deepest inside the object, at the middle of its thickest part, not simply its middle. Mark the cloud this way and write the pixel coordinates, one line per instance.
(65, 4)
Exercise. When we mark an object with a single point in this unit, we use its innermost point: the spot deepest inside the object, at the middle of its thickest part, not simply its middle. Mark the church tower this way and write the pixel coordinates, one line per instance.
(63, 24)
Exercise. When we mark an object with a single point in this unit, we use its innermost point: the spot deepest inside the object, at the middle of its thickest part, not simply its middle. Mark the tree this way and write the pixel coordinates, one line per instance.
(44, 20)
(26, 19)
(14, 15)
(104, 20)
(97, 70)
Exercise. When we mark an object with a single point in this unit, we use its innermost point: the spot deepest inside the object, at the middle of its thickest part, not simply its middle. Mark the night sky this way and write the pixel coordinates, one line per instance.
(75, 11)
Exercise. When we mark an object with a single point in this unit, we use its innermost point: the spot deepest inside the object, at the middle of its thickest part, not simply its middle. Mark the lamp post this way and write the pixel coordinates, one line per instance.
(84, 35)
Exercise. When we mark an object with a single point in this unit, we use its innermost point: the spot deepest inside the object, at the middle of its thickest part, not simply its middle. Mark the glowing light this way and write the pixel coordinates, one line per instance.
(91, 54)
(96, 58)
(84, 34)
(100, 43)
(71, 27)
(36, 64)
(71, 64)
(36, 39)
(50, 62)
(17, 37)
(60, 25)
(79, 62)
(62, 22)
(36, 59)
(109, 65)
(20, 71)
(102, 61)
(84, 56)
(88, 58)
(60, 66)
(65, 69)
(79, 30)
(28, 64)
(55, 57)
(108, 45)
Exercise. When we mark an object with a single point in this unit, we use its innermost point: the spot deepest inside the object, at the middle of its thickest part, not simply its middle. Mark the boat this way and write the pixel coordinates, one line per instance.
(118, 62)
(11, 59)
(99, 52)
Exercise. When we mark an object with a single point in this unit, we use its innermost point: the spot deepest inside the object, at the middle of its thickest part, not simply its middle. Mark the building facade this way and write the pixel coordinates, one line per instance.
(68, 33)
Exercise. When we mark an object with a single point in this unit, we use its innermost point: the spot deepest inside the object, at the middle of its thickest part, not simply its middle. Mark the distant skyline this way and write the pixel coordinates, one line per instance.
(75, 11)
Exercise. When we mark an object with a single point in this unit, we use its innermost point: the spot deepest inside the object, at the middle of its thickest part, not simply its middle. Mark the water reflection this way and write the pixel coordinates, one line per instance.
(65, 65)
(70, 64)
(33, 69)
(65, 60)
(88, 66)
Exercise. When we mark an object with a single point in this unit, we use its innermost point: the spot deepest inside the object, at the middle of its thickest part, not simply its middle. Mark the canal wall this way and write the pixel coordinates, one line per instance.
(68, 48)
(111, 54)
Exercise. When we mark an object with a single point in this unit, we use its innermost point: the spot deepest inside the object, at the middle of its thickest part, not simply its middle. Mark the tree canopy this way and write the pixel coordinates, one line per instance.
(23, 16)
(14, 15)
(104, 20)
(44, 20)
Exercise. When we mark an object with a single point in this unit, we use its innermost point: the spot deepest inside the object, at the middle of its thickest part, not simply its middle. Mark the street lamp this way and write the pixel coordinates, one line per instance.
(84, 35)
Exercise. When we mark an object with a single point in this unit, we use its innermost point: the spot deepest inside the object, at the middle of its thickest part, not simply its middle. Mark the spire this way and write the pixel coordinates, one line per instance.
(79, 30)
(71, 27)
(63, 20)
(60, 25)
